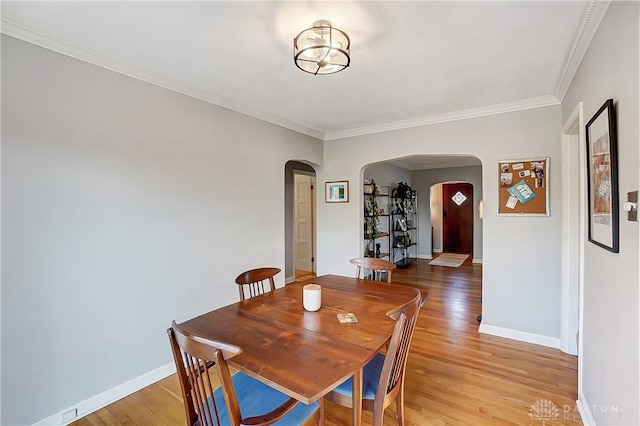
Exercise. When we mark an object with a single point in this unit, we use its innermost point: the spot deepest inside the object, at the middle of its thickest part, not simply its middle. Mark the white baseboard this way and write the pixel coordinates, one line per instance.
(585, 413)
(289, 280)
(436, 250)
(523, 336)
(105, 398)
(476, 261)
(425, 256)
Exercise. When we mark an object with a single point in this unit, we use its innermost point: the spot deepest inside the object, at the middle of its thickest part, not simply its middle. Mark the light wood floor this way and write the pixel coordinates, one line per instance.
(455, 376)
(303, 275)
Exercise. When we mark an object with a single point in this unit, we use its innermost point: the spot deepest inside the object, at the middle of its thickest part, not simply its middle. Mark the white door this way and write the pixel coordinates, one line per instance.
(303, 223)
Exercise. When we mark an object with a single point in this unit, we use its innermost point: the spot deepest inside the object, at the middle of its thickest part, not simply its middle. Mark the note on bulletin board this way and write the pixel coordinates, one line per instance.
(523, 187)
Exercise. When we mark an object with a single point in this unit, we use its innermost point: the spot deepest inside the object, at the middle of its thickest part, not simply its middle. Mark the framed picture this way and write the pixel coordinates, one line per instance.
(602, 179)
(336, 191)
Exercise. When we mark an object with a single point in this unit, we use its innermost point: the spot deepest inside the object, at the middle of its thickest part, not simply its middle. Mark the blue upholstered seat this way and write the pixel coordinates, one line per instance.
(370, 378)
(255, 398)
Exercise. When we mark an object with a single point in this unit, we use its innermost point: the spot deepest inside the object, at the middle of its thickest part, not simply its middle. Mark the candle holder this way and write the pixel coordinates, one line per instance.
(311, 297)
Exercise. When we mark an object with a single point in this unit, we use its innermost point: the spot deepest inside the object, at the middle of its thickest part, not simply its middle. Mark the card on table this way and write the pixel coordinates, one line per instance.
(347, 318)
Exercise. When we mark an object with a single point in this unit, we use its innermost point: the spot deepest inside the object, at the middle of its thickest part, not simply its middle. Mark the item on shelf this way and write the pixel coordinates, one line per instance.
(404, 224)
(375, 205)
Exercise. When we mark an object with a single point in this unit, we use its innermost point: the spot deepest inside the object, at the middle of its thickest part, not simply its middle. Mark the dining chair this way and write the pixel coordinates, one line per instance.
(383, 376)
(256, 281)
(239, 399)
(377, 266)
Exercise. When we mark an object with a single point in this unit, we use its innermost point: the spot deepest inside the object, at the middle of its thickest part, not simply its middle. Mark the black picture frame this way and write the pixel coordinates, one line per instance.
(602, 179)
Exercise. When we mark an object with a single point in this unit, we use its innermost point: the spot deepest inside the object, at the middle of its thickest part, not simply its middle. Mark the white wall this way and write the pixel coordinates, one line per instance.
(610, 340)
(124, 206)
(521, 285)
(423, 180)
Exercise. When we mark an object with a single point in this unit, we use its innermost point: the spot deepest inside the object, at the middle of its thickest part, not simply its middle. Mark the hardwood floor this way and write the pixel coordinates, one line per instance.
(304, 275)
(454, 375)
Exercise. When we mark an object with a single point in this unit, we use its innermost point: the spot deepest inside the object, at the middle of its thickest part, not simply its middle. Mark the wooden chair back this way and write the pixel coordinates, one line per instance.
(391, 384)
(256, 281)
(376, 265)
(194, 358)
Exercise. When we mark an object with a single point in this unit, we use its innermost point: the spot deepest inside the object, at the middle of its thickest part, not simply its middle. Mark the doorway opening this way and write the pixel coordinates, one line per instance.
(574, 220)
(452, 217)
(457, 218)
(303, 224)
(300, 221)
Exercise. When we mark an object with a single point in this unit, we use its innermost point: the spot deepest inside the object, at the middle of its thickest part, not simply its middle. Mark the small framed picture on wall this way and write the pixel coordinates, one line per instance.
(336, 191)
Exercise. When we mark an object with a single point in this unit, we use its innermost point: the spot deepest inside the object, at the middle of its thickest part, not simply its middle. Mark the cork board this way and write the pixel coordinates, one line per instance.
(523, 187)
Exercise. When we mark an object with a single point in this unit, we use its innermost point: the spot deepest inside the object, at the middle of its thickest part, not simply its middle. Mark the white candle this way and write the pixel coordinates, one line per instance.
(311, 297)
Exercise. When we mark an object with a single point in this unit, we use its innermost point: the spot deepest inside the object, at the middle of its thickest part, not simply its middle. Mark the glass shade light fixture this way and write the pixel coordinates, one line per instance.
(322, 49)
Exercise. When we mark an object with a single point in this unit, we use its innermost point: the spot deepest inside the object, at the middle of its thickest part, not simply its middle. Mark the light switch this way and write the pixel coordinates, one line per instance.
(631, 206)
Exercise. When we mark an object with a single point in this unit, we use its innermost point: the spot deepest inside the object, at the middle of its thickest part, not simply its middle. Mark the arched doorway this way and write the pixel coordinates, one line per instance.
(300, 220)
(424, 171)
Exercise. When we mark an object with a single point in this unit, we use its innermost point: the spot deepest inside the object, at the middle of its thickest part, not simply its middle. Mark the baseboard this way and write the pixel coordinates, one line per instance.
(583, 408)
(289, 280)
(425, 256)
(99, 401)
(436, 250)
(523, 336)
(476, 261)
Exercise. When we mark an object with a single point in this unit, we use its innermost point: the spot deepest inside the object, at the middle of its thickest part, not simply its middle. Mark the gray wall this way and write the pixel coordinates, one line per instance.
(610, 312)
(387, 174)
(423, 180)
(124, 206)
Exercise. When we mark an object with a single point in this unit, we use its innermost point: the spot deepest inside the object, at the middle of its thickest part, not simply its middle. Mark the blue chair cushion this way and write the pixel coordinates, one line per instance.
(255, 399)
(370, 377)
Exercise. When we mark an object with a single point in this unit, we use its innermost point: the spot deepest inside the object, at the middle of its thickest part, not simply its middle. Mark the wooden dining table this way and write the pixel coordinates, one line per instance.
(307, 354)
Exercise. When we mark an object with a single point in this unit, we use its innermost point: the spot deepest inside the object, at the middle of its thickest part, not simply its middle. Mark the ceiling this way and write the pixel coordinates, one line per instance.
(412, 62)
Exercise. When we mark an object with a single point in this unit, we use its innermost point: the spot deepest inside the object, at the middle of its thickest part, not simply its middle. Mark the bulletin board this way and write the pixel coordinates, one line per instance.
(523, 187)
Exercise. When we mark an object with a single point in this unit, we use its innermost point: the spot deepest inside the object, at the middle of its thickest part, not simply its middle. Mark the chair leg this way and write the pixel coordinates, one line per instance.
(400, 407)
(321, 419)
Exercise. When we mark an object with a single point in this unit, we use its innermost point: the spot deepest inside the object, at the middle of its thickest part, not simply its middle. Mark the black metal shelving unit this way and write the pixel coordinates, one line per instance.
(404, 225)
(380, 233)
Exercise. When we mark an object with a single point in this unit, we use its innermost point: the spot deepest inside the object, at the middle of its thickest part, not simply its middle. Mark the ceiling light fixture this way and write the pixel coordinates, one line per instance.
(322, 49)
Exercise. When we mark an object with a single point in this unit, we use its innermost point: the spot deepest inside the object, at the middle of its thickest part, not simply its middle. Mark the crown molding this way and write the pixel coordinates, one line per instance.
(524, 104)
(14, 28)
(591, 18)
(592, 15)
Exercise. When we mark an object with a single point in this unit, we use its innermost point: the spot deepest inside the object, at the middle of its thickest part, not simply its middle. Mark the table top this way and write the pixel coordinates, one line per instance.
(306, 354)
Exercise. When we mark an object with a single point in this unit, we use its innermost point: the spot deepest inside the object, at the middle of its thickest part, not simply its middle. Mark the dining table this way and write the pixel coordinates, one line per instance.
(307, 354)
